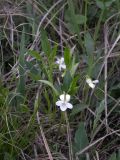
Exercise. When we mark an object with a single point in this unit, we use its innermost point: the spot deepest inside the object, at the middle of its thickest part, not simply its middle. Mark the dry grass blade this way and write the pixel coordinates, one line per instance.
(109, 53)
(105, 73)
(44, 138)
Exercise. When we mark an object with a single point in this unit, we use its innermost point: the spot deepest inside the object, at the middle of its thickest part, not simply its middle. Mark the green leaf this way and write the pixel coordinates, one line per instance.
(70, 17)
(24, 109)
(104, 4)
(45, 43)
(71, 6)
(54, 52)
(89, 44)
(35, 54)
(67, 57)
(74, 66)
(21, 83)
(77, 109)
(81, 139)
(67, 81)
(74, 20)
(50, 84)
(73, 86)
(80, 19)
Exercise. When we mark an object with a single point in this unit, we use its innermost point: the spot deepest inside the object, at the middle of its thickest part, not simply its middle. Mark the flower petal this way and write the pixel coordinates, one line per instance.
(62, 60)
(61, 63)
(95, 81)
(59, 103)
(60, 67)
(69, 105)
(57, 62)
(91, 85)
(88, 80)
(65, 97)
(62, 97)
(63, 66)
(63, 107)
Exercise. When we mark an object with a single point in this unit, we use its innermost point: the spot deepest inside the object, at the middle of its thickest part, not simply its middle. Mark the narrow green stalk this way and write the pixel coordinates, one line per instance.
(69, 137)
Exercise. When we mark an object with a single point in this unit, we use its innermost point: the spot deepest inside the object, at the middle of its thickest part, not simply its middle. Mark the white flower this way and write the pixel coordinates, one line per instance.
(61, 63)
(91, 83)
(63, 103)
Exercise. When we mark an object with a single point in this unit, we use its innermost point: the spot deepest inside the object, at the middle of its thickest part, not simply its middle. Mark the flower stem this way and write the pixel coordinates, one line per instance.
(69, 137)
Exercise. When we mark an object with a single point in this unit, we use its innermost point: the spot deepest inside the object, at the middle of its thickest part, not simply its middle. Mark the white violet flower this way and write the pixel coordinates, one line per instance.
(63, 103)
(61, 63)
(91, 83)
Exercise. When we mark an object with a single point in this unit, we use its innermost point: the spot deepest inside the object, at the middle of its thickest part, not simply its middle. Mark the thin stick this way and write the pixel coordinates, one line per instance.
(97, 155)
(109, 52)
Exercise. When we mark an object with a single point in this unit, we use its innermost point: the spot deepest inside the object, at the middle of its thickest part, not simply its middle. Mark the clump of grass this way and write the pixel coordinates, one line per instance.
(52, 53)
